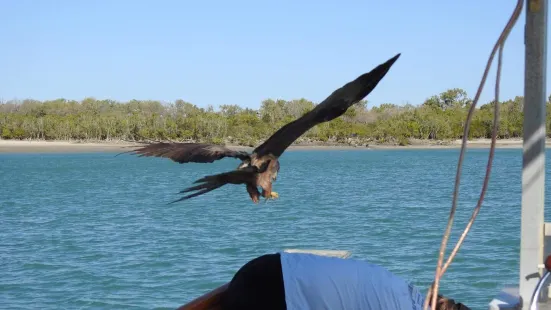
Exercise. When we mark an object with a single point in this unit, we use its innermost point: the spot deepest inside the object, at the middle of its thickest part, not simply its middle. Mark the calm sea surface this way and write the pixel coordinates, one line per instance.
(93, 231)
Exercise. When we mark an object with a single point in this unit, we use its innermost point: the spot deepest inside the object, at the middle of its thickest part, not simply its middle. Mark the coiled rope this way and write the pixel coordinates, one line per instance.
(433, 290)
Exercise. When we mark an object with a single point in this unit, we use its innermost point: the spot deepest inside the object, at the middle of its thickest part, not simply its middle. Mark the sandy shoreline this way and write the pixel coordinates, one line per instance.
(17, 146)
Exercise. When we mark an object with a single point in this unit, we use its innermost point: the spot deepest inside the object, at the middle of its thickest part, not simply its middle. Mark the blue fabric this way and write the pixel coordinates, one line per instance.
(321, 282)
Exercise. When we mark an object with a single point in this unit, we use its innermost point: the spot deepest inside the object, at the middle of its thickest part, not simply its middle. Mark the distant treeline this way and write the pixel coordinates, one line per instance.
(440, 117)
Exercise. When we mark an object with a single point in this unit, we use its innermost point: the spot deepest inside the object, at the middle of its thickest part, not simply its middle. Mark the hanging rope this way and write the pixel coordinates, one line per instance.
(433, 290)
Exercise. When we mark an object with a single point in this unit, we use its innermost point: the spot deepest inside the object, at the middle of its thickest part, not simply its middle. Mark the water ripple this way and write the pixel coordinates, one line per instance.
(94, 231)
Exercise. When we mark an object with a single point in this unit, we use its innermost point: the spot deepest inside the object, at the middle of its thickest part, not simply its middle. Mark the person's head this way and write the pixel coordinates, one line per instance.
(443, 303)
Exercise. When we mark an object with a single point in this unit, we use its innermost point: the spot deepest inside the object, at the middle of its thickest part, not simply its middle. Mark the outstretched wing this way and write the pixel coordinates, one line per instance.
(189, 152)
(332, 107)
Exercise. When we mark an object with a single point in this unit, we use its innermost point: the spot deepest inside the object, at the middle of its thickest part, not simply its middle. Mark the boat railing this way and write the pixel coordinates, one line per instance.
(536, 296)
(509, 297)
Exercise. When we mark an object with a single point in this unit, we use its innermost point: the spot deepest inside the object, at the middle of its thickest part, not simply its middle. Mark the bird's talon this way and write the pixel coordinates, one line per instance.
(274, 195)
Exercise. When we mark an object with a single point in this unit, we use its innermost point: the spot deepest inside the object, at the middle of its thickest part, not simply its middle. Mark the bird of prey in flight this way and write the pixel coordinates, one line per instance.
(260, 168)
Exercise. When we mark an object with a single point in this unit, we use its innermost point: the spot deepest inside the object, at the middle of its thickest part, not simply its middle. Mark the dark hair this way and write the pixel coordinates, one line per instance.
(443, 303)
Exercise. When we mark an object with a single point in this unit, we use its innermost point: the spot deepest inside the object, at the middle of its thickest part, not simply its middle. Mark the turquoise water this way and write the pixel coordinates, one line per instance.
(93, 231)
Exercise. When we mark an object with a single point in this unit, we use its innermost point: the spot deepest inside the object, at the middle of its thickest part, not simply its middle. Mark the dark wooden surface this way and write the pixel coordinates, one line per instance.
(208, 301)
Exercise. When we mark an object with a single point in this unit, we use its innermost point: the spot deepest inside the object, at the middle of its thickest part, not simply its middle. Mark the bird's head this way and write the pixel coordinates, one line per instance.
(264, 166)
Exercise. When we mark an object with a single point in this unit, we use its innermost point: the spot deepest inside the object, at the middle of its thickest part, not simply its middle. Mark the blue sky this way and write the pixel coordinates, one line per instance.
(243, 51)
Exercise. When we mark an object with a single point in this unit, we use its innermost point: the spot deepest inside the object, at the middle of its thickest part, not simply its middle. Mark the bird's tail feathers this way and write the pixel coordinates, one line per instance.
(201, 189)
(212, 182)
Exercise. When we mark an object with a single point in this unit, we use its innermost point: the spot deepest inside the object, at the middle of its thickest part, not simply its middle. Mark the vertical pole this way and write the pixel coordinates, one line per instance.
(533, 166)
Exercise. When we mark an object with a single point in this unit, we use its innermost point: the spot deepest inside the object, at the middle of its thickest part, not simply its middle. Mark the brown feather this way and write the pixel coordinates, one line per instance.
(266, 178)
(332, 107)
(189, 152)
